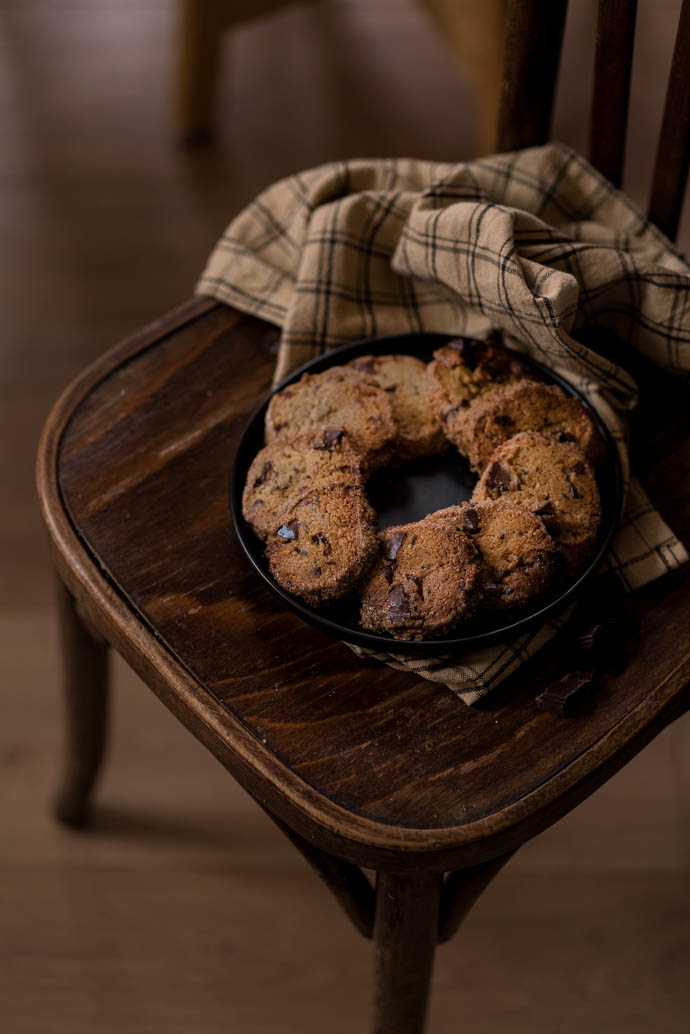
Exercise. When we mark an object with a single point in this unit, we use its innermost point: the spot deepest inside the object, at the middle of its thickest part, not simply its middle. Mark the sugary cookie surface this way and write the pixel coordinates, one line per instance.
(283, 470)
(324, 544)
(403, 378)
(555, 481)
(423, 582)
(338, 397)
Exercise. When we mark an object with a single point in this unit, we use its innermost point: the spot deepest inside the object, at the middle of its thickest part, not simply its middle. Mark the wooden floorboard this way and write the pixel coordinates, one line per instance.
(184, 910)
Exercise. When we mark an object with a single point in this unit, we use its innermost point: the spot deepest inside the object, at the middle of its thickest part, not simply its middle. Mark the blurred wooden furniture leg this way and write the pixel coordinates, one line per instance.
(200, 27)
(405, 937)
(85, 678)
(199, 30)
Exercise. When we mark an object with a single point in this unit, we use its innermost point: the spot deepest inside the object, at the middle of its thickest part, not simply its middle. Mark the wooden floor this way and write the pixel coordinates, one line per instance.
(184, 911)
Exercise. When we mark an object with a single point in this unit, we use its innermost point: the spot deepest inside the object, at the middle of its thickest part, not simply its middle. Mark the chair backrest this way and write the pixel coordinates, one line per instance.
(532, 48)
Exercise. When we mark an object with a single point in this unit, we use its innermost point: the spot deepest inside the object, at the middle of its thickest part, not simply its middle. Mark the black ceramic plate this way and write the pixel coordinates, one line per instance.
(408, 493)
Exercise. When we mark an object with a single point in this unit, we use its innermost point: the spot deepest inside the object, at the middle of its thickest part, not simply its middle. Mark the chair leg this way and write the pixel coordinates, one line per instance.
(199, 29)
(85, 683)
(405, 936)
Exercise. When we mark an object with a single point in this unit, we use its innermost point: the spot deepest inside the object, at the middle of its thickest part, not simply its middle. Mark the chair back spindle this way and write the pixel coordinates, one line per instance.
(673, 153)
(531, 54)
(532, 45)
(612, 65)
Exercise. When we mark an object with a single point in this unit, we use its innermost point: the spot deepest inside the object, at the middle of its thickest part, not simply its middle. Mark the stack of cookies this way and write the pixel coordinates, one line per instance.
(534, 514)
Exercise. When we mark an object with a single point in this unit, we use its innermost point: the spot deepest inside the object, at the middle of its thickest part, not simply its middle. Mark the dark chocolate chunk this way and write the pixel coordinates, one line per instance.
(399, 604)
(393, 544)
(472, 524)
(579, 468)
(317, 570)
(331, 437)
(468, 349)
(567, 696)
(264, 472)
(289, 531)
(503, 420)
(387, 572)
(574, 491)
(320, 539)
(499, 477)
(367, 366)
(546, 510)
(565, 436)
(391, 387)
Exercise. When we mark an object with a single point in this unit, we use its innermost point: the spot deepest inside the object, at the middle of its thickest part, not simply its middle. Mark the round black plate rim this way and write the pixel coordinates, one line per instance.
(413, 344)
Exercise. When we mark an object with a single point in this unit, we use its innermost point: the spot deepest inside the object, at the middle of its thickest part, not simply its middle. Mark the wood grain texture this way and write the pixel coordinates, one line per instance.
(673, 154)
(612, 67)
(372, 765)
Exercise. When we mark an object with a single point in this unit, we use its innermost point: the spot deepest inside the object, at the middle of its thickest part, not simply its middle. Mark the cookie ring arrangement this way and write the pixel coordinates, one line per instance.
(532, 523)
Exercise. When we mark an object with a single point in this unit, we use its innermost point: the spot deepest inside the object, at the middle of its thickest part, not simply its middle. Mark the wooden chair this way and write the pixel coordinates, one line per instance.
(359, 765)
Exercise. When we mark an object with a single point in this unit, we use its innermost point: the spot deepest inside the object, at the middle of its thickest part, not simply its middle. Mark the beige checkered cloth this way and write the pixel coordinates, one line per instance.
(536, 243)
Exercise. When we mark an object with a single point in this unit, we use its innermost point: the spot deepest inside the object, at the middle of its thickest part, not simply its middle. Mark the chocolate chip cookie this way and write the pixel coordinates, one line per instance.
(283, 470)
(403, 378)
(555, 481)
(338, 397)
(527, 406)
(464, 370)
(516, 551)
(423, 583)
(324, 544)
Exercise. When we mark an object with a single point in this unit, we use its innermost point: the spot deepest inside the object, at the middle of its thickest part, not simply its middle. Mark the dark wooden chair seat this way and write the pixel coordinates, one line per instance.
(365, 761)
(359, 764)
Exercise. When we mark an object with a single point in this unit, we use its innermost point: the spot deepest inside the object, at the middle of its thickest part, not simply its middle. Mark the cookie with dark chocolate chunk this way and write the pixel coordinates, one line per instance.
(403, 378)
(423, 583)
(284, 470)
(518, 556)
(466, 369)
(553, 480)
(340, 397)
(527, 406)
(325, 542)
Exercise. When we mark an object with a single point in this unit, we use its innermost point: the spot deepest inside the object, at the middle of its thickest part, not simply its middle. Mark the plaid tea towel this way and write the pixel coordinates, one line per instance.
(536, 243)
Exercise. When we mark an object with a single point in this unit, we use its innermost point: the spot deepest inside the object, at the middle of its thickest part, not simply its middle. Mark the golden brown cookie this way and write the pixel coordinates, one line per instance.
(553, 480)
(527, 406)
(324, 544)
(465, 369)
(283, 470)
(423, 583)
(403, 378)
(338, 397)
(516, 551)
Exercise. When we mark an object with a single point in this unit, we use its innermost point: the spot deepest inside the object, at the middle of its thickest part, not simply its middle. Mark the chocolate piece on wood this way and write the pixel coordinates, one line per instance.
(567, 696)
